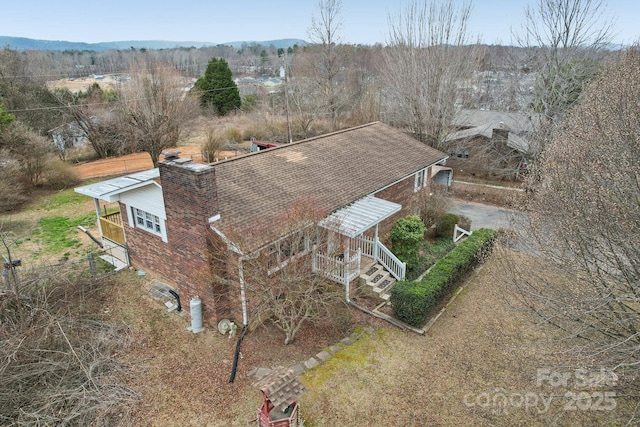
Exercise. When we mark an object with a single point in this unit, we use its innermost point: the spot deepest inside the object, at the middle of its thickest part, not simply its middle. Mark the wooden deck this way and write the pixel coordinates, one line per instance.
(112, 229)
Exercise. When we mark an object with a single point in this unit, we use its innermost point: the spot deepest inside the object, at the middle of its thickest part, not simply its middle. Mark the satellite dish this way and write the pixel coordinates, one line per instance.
(224, 326)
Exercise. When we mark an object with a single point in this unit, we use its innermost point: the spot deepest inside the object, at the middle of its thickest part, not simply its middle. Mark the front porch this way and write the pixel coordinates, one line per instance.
(360, 248)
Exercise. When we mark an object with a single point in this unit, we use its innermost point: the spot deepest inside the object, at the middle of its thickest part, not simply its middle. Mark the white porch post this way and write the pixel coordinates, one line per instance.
(346, 270)
(346, 260)
(314, 262)
(375, 244)
(96, 204)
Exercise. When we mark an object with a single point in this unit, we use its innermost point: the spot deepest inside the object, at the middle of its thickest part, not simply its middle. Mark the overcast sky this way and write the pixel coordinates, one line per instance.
(363, 21)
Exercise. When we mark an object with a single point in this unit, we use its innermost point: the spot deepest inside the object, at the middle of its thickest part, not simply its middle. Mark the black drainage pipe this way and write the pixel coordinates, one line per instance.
(177, 297)
(237, 354)
(99, 243)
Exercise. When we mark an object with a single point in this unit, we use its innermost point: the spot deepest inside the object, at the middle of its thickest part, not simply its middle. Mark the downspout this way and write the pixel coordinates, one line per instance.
(243, 299)
(245, 322)
(243, 294)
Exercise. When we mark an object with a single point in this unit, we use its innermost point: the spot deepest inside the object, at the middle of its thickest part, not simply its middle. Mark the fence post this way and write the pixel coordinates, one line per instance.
(92, 265)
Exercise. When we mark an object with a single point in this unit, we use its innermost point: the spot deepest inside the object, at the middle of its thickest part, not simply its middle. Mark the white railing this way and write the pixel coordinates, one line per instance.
(393, 265)
(338, 268)
(459, 233)
(365, 244)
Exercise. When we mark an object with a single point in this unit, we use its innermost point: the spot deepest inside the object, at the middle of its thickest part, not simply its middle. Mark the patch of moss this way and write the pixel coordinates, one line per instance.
(350, 358)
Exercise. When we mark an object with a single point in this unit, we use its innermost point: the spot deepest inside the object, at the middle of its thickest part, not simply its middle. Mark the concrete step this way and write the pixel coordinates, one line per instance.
(371, 272)
(378, 279)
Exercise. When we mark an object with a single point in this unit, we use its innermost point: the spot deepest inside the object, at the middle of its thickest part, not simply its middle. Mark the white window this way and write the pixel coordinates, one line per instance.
(421, 179)
(148, 221)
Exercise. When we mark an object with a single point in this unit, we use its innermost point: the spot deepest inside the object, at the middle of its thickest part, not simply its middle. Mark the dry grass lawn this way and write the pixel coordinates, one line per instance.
(481, 349)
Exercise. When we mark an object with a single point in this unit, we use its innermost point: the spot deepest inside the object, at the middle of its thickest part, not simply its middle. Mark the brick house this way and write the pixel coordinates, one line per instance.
(491, 143)
(170, 218)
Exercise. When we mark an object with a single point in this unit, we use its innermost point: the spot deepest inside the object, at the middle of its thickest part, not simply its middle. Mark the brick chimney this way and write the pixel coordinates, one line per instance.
(500, 134)
(190, 198)
(191, 203)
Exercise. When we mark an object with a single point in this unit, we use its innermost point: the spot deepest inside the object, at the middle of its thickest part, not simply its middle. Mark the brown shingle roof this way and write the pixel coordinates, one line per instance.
(331, 170)
(281, 386)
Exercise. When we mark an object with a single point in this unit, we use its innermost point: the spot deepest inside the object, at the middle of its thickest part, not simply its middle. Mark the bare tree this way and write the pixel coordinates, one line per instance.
(30, 150)
(564, 39)
(585, 225)
(281, 283)
(303, 107)
(425, 60)
(98, 118)
(212, 146)
(325, 65)
(155, 107)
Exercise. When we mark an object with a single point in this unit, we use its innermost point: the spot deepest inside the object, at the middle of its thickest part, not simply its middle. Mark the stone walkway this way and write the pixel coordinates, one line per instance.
(318, 359)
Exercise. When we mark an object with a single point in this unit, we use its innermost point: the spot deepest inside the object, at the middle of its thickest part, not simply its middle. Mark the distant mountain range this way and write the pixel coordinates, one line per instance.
(22, 43)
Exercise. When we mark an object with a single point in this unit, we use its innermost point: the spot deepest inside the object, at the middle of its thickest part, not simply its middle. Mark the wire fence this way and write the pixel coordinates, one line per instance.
(89, 266)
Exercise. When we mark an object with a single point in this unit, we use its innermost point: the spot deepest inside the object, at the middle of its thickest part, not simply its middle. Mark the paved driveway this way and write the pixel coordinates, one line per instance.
(485, 216)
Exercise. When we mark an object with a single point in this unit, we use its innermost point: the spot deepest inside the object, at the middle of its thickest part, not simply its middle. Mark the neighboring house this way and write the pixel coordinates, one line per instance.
(169, 218)
(68, 135)
(489, 142)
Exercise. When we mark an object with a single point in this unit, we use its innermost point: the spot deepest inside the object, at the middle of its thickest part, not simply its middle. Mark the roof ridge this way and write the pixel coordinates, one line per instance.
(295, 143)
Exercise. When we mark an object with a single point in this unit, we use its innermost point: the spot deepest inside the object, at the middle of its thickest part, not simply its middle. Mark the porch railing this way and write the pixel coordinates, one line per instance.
(111, 226)
(365, 244)
(338, 268)
(397, 268)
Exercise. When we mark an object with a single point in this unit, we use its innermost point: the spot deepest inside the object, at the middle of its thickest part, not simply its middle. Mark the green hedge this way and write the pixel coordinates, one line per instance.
(411, 301)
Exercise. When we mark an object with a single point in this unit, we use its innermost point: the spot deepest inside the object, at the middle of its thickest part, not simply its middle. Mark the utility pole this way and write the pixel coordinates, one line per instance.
(286, 97)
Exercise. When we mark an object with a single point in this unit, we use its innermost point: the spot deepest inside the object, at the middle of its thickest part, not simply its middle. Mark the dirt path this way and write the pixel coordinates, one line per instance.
(137, 162)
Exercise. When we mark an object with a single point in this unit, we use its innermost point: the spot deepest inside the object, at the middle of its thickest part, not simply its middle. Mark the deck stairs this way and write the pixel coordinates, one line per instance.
(377, 280)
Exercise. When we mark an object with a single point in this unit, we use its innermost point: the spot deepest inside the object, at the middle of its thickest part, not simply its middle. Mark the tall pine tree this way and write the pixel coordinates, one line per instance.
(217, 88)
